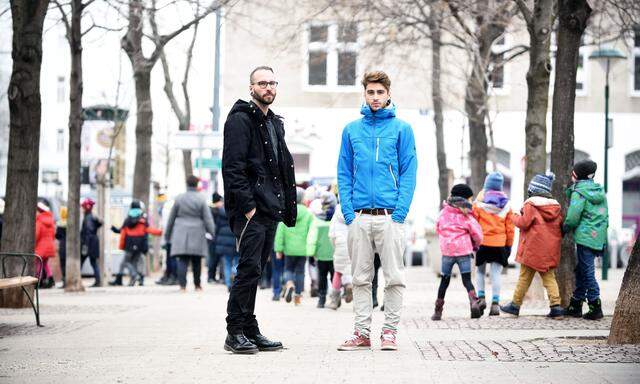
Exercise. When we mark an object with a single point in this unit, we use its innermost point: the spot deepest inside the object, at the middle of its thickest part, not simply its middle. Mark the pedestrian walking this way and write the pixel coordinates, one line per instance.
(318, 243)
(588, 220)
(215, 259)
(291, 243)
(492, 209)
(225, 241)
(540, 224)
(459, 235)
(134, 241)
(61, 236)
(189, 222)
(259, 183)
(170, 276)
(376, 178)
(338, 232)
(45, 244)
(89, 241)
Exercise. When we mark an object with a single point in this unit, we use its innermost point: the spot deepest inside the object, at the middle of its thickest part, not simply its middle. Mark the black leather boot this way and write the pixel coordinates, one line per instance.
(263, 343)
(117, 281)
(239, 344)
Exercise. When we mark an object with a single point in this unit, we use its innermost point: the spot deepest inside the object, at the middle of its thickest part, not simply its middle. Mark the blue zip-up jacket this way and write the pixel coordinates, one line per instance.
(377, 164)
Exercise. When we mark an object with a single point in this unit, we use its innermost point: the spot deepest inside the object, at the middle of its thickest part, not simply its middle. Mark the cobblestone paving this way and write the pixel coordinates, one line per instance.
(51, 328)
(568, 350)
(508, 322)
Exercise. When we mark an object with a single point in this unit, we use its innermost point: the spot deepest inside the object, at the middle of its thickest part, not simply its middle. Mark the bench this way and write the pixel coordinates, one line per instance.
(23, 280)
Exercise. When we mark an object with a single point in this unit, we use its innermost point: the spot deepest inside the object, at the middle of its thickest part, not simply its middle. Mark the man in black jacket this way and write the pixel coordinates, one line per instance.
(260, 191)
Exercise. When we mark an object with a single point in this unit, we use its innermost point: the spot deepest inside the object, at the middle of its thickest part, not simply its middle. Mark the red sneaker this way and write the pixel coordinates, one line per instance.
(355, 342)
(388, 340)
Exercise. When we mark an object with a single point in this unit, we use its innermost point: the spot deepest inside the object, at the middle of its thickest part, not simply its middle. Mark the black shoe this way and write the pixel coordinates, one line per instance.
(117, 281)
(322, 299)
(264, 344)
(163, 280)
(314, 292)
(595, 311)
(289, 294)
(574, 309)
(96, 284)
(172, 281)
(556, 312)
(141, 280)
(239, 344)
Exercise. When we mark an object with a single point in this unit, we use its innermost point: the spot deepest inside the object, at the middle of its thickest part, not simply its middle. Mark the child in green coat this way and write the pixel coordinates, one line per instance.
(319, 244)
(588, 219)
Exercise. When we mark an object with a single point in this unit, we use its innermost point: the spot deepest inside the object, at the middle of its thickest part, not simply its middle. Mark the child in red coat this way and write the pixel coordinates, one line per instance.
(45, 246)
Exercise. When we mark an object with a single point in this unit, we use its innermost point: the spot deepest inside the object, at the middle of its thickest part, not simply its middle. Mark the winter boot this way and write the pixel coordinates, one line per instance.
(595, 310)
(556, 313)
(297, 300)
(336, 300)
(495, 309)
(511, 309)
(141, 280)
(132, 280)
(117, 281)
(348, 293)
(574, 309)
(288, 289)
(437, 313)
(482, 303)
(374, 294)
(474, 305)
(322, 299)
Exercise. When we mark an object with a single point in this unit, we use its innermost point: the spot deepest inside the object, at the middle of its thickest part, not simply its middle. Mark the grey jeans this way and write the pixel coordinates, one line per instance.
(369, 234)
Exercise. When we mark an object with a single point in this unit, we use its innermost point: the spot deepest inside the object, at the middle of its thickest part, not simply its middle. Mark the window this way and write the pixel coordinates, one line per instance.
(61, 89)
(496, 67)
(581, 74)
(60, 141)
(332, 55)
(636, 61)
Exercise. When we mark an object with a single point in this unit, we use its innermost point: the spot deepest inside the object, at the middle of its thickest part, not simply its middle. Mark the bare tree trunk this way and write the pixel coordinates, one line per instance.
(186, 162)
(144, 131)
(436, 95)
(474, 108)
(73, 278)
(625, 326)
(539, 24)
(24, 139)
(573, 16)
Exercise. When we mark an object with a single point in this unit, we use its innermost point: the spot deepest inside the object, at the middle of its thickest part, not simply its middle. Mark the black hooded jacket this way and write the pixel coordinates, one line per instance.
(253, 176)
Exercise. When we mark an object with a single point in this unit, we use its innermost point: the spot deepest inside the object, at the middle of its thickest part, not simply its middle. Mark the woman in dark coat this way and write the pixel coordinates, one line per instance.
(89, 242)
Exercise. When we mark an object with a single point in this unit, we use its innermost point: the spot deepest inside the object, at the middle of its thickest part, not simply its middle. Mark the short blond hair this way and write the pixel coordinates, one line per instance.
(376, 77)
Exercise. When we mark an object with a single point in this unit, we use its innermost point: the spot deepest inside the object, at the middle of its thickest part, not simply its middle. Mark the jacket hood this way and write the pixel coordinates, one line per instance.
(549, 209)
(450, 209)
(46, 219)
(591, 191)
(242, 106)
(384, 113)
(132, 221)
(497, 198)
(494, 209)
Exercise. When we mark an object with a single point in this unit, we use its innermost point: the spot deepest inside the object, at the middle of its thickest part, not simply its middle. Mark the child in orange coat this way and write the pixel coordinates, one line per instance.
(134, 240)
(492, 209)
(540, 224)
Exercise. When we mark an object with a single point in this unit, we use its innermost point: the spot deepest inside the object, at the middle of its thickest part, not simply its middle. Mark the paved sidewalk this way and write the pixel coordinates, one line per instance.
(156, 334)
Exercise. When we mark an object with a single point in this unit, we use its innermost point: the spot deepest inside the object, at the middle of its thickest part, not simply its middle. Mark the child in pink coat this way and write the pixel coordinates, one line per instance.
(460, 236)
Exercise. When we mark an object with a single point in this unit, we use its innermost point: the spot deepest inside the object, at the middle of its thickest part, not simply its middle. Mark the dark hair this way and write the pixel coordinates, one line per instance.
(376, 77)
(192, 181)
(260, 68)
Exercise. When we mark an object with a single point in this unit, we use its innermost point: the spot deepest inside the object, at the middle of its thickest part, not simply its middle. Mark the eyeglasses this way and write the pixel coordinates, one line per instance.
(264, 84)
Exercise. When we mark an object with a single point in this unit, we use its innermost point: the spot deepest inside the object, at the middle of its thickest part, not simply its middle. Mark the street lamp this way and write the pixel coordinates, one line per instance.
(604, 57)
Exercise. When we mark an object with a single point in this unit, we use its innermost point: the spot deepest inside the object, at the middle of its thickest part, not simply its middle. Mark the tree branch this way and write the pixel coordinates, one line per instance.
(526, 12)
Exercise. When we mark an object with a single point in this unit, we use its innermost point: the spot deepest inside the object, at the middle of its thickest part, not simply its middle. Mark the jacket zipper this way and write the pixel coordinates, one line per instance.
(395, 182)
(239, 240)
(377, 148)
(372, 168)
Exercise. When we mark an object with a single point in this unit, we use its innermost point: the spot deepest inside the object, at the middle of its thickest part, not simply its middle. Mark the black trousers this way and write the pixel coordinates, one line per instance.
(324, 268)
(256, 238)
(183, 266)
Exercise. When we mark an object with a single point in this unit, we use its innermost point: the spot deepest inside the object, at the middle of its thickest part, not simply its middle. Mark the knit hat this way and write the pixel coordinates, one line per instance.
(42, 207)
(216, 197)
(135, 204)
(493, 182)
(585, 169)
(461, 190)
(541, 184)
(87, 203)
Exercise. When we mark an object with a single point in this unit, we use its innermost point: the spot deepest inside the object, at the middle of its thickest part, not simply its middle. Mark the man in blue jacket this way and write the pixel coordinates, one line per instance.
(376, 180)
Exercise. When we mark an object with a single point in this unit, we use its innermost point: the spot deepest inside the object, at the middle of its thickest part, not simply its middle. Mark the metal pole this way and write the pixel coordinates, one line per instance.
(216, 92)
(605, 257)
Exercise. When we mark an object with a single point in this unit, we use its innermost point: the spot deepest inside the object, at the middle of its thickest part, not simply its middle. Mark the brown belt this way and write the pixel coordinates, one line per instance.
(375, 211)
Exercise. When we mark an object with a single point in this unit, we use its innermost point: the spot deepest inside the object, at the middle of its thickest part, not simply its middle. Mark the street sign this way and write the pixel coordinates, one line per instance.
(214, 163)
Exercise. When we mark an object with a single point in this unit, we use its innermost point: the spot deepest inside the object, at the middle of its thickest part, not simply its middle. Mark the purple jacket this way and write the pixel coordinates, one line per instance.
(459, 234)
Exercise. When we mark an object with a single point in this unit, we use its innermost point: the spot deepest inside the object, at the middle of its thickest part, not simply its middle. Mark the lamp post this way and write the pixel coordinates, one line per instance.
(604, 57)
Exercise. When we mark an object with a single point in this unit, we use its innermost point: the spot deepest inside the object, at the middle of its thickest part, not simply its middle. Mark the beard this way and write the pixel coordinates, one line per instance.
(266, 99)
